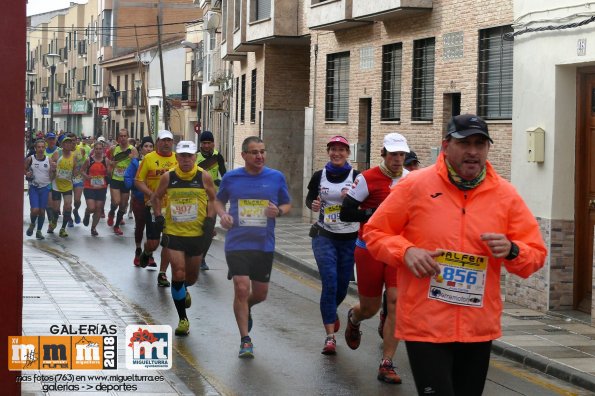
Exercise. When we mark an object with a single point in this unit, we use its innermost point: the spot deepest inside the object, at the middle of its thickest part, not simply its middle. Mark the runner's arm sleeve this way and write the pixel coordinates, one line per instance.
(350, 211)
(313, 188)
(130, 173)
(221, 164)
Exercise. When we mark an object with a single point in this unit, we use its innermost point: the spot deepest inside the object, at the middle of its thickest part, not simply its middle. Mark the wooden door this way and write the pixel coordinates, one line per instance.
(585, 192)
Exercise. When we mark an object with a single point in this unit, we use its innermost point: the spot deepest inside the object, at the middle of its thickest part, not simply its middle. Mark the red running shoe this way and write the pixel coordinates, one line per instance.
(330, 346)
(118, 231)
(110, 219)
(353, 336)
(387, 373)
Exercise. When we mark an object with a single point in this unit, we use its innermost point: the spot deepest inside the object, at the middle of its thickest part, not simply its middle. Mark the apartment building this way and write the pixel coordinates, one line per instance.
(80, 40)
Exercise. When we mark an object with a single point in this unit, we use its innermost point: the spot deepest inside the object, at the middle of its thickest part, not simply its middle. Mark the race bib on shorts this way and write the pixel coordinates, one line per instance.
(251, 212)
(461, 280)
(183, 211)
(331, 214)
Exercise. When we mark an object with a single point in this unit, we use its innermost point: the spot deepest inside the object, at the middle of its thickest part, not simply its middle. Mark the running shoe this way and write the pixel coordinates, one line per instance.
(86, 219)
(246, 350)
(137, 254)
(337, 324)
(77, 218)
(183, 327)
(94, 232)
(204, 266)
(187, 300)
(63, 233)
(330, 346)
(118, 231)
(70, 224)
(39, 235)
(163, 282)
(250, 321)
(353, 336)
(387, 373)
(122, 222)
(30, 229)
(143, 259)
(381, 324)
(152, 265)
(110, 219)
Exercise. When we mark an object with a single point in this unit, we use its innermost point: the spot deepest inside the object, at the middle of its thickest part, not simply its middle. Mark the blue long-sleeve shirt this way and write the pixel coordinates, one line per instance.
(129, 176)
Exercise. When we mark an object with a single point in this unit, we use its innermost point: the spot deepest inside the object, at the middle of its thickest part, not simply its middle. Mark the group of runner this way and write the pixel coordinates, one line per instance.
(441, 234)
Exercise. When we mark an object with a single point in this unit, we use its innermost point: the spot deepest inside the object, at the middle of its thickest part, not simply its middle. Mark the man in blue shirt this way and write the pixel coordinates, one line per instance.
(256, 195)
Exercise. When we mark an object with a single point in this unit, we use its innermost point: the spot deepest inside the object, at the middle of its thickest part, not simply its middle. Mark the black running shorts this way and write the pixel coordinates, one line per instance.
(253, 263)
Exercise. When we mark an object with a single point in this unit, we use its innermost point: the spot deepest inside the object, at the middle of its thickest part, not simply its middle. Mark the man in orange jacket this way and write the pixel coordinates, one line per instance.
(448, 229)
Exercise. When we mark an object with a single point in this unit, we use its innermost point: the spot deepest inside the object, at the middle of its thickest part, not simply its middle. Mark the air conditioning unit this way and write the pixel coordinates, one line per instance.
(218, 101)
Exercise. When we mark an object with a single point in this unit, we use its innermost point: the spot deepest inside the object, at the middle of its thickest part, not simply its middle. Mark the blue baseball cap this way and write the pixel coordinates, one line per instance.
(50, 135)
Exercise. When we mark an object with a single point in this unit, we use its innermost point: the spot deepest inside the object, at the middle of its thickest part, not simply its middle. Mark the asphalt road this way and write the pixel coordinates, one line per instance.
(288, 334)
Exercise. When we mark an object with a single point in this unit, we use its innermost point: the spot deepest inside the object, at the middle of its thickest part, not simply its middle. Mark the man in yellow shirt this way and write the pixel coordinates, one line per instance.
(189, 223)
(149, 172)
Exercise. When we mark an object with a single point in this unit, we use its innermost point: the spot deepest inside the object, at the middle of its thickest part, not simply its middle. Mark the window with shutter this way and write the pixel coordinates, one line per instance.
(337, 87)
(392, 57)
(494, 80)
(263, 9)
(423, 80)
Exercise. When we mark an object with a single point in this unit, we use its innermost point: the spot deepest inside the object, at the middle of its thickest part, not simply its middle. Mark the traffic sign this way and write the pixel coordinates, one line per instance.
(45, 110)
(104, 111)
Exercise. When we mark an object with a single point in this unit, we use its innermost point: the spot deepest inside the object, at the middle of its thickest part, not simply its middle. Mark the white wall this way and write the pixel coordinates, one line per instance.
(545, 65)
(174, 65)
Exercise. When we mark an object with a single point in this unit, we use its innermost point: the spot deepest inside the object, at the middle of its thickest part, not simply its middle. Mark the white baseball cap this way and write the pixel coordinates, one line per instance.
(101, 139)
(164, 134)
(395, 142)
(186, 146)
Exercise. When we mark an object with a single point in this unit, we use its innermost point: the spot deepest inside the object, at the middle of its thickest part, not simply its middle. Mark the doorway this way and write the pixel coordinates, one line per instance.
(364, 133)
(584, 218)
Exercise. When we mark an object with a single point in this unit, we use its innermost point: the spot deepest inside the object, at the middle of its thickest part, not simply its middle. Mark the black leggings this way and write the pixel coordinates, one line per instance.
(449, 369)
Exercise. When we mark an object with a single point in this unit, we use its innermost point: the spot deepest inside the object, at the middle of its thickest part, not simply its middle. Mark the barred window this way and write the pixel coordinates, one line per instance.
(253, 97)
(392, 56)
(337, 87)
(422, 105)
(494, 80)
(243, 98)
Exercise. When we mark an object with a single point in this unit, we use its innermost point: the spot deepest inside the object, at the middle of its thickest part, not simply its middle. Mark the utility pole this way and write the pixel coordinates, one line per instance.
(165, 104)
(144, 88)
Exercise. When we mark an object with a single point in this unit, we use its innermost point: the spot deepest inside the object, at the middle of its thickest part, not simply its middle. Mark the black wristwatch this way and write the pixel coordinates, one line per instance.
(514, 252)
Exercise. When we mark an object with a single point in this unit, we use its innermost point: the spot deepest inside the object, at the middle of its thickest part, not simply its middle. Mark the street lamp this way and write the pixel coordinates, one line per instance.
(51, 60)
(137, 86)
(68, 91)
(31, 78)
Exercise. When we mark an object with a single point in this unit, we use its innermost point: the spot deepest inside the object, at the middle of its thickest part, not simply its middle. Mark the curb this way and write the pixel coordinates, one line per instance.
(500, 348)
(543, 364)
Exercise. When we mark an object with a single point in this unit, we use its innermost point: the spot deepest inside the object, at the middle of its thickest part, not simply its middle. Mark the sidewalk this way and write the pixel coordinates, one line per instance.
(59, 293)
(560, 346)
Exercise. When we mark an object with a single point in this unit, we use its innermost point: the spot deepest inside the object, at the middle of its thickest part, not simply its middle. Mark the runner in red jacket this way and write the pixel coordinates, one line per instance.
(448, 229)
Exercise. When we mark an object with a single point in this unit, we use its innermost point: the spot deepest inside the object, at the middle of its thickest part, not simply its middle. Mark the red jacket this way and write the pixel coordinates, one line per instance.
(427, 211)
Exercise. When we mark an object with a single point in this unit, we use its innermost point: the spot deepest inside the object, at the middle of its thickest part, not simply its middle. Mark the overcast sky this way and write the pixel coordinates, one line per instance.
(41, 6)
